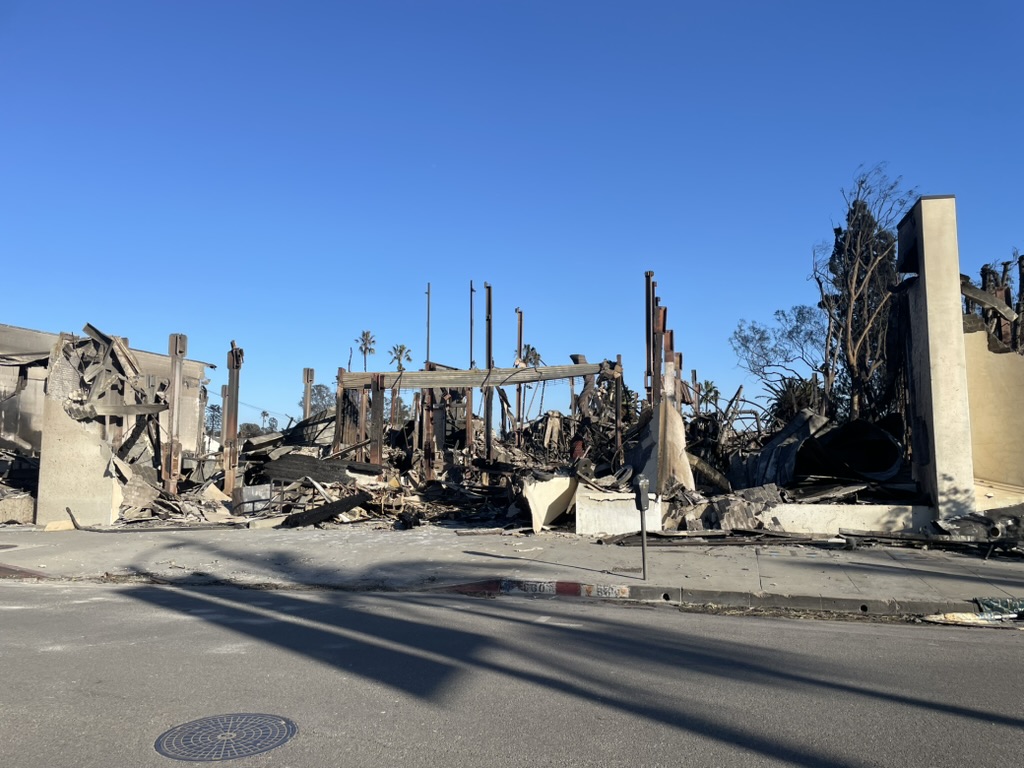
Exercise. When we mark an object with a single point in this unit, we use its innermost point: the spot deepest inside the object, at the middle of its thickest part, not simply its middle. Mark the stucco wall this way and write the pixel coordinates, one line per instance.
(995, 388)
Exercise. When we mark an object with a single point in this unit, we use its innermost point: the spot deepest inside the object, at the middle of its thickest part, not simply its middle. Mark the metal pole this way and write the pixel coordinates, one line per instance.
(230, 418)
(643, 542)
(307, 397)
(618, 407)
(377, 419)
(362, 424)
(428, 322)
(649, 309)
(177, 347)
(339, 412)
(489, 390)
(426, 415)
(519, 387)
(472, 362)
(642, 487)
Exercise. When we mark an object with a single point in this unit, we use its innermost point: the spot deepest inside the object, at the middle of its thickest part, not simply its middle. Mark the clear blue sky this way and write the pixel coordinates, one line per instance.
(287, 174)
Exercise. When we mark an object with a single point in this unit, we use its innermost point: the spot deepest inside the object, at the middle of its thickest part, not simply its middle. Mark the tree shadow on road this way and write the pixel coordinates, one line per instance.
(394, 639)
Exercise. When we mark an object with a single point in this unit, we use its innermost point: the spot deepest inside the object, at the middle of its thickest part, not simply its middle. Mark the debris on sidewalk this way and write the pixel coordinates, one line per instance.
(1000, 612)
(999, 530)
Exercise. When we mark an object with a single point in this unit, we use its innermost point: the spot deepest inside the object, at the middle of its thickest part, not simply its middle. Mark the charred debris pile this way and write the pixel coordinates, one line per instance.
(464, 455)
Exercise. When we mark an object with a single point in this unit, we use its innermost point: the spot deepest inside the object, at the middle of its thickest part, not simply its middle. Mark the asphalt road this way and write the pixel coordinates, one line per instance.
(93, 675)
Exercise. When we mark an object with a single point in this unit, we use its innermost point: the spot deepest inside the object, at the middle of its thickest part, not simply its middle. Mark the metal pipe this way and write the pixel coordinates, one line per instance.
(519, 387)
(489, 390)
(472, 362)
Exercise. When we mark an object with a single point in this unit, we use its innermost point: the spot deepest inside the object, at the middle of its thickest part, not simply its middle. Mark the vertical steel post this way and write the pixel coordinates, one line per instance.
(470, 433)
(339, 412)
(656, 356)
(229, 422)
(648, 315)
(472, 361)
(519, 387)
(680, 386)
(377, 420)
(362, 424)
(618, 406)
(489, 390)
(428, 325)
(417, 414)
(427, 416)
(307, 396)
(177, 347)
(669, 353)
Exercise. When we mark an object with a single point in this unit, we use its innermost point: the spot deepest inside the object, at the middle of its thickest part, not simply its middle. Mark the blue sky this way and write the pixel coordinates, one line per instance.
(289, 174)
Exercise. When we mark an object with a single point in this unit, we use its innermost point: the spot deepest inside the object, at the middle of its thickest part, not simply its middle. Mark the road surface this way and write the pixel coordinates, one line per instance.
(92, 675)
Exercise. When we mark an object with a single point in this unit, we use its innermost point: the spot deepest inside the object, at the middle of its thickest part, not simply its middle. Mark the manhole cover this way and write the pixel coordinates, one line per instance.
(225, 737)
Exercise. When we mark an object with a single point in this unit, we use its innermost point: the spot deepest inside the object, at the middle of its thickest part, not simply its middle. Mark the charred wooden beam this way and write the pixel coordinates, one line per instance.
(327, 511)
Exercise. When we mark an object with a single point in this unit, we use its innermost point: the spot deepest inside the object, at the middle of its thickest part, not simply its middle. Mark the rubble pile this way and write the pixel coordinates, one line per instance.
(130, 426)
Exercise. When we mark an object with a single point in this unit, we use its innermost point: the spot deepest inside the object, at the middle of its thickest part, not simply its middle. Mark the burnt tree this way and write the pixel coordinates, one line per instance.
(856, 277)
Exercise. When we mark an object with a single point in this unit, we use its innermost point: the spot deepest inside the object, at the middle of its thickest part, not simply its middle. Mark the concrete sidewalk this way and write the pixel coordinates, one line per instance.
(878, 580)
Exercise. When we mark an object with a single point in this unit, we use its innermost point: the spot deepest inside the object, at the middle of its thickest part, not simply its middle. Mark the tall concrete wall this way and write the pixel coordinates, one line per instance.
(73, 462)
(943, 459)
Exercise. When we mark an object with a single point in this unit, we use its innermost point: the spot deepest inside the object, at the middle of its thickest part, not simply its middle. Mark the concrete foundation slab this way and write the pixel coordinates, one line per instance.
(829, 518)
(599, 513)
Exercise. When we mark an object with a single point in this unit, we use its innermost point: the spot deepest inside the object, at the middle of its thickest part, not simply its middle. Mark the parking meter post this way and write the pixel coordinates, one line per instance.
(643, 486)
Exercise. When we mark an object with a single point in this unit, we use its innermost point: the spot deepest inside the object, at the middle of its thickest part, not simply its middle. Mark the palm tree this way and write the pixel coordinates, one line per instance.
(399, 354)
(531, 357)
(366, 342)
(709, 394)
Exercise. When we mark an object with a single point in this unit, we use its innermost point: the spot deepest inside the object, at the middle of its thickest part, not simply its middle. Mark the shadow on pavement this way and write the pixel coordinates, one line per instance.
(407, 650)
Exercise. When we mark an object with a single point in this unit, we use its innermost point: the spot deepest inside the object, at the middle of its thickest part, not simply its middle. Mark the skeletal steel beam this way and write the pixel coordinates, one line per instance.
(495, 377)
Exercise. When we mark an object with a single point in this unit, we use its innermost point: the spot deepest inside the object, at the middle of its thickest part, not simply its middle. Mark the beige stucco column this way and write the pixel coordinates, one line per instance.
(941, 422)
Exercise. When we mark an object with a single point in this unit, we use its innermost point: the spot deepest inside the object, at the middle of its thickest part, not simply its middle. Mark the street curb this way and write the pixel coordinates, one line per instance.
(678, 597)
(632, 593)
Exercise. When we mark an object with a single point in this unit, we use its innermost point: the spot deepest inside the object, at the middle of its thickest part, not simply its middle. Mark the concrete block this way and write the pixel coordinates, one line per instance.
(18, 509)
(829, 518)
(602, 513)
